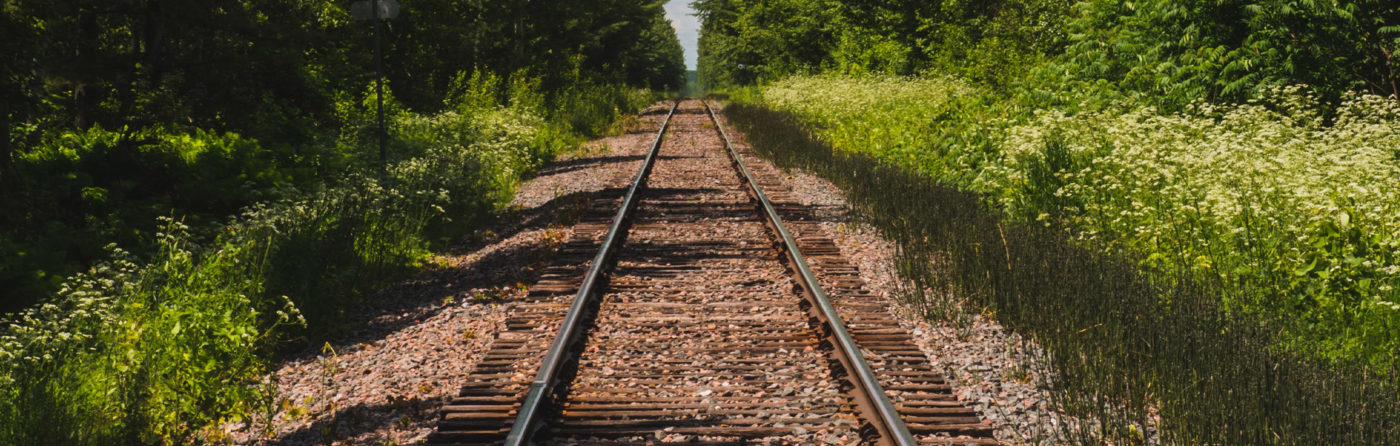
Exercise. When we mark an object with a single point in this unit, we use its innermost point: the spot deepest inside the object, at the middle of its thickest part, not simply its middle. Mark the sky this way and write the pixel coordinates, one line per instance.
(687, 28)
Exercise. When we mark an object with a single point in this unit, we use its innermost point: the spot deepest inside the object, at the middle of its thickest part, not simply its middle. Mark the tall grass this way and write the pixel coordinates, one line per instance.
(1129, 346)
(77, 191)
(1280, 200)
(162, 350)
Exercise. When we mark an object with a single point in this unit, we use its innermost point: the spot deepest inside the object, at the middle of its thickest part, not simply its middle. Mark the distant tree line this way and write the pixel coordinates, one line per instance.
(73, 73)
(270, 68)
(1171, 50)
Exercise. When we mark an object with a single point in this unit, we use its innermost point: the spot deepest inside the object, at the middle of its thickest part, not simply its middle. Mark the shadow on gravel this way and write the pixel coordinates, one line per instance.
(413, 300)
(561, 167)
(350, 422)
(1129, 347)
(821, 213)
(655, 111)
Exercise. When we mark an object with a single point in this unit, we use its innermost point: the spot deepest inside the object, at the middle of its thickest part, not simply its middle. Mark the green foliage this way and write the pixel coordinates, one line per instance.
(1054, 52)
(747, 41)
(182, 353)
(459, 166)
(1175, 52)
(983, 41)
(933, 125)
(591, 110)
(248, 125)
(158, 351)
(270, 69)
(659, 64)
(135, 90)
(1290, 213)
(1134, 350)
(138, 354)
(163, 351)
(85, 189)
(561, 42)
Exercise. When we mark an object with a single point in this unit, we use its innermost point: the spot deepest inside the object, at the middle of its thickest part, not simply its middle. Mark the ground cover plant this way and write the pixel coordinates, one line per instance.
(1234, 156)
(1145, 353)
(189, 190)
(1270, 197)
(114, 114)
(156, 351)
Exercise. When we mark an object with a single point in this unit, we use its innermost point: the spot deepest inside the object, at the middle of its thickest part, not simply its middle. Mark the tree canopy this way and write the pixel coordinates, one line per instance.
(1171, 51)
(276, 73)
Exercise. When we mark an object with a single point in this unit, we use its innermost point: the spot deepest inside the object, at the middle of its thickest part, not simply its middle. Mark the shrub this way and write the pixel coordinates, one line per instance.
(1268, 197)
(139, 354)
(161, 350)
(1131, 348)
(82, 190)
(1271, 197)
(1171, 53)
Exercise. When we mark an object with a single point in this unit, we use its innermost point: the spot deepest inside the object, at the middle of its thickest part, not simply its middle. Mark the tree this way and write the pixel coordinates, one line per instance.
(89, 89)
(746, 41)
(19, 40)
(656, 59)
(1179, 51)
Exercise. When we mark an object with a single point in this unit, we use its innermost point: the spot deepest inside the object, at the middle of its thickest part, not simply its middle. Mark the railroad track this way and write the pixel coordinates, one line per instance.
(702, 306)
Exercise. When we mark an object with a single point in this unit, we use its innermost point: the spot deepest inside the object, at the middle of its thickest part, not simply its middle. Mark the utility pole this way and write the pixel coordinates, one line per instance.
(379, 88)
(377, 11)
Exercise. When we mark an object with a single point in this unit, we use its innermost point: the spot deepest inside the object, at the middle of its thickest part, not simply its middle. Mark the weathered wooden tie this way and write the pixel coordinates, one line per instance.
(702, 333)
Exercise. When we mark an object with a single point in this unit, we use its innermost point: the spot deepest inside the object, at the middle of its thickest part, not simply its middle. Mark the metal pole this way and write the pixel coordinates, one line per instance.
(379, 84)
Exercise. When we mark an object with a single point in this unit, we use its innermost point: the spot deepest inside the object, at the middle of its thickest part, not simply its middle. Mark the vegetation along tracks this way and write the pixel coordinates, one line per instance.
(709, 311)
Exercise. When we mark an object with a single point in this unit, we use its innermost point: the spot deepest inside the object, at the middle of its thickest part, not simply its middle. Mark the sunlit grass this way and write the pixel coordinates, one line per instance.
(1282, 201)
(1127, 347)
(163, 350)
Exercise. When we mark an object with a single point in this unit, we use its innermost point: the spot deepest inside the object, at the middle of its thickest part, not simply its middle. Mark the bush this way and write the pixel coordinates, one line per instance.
(1268, 197)
(160, 351)
(1271, 197)
(139, 354)
(1172, 53)
(82, 190)
(1129, 347)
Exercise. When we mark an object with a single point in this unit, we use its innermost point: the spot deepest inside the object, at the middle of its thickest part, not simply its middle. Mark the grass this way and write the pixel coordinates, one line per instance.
(1129, 346)
(163, 349)
(1276, 201)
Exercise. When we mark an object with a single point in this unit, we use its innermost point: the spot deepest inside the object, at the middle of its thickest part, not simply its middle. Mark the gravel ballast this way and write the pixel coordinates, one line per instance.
(385, 383)
(992, 369)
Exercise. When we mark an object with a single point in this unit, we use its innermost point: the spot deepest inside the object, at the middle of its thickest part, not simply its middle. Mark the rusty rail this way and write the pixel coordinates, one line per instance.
(543, 385)
(891, 426)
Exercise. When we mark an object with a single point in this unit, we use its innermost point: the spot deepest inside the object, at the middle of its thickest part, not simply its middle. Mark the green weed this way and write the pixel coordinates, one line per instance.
(164, 350)
(1125, 345)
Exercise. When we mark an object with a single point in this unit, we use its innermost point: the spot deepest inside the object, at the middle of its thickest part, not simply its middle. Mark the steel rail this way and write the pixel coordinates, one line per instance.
(891, 426)
(570, 329)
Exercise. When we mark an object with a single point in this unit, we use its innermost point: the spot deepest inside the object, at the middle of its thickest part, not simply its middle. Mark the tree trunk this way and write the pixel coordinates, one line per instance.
(6, 149)
(520, 14)
(1390, 67)
(87, 47)
(153, 43)
(519, 46)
